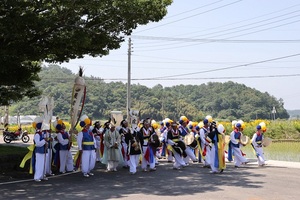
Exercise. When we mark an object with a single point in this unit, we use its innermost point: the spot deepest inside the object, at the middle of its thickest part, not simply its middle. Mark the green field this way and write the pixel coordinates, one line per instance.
(283, 151)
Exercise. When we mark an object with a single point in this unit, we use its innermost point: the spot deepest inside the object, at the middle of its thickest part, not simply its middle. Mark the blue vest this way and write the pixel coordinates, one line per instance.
(87, 137)
(259, 139)
(42, 148)
(64, 136)
(183, 131)
(237, 136)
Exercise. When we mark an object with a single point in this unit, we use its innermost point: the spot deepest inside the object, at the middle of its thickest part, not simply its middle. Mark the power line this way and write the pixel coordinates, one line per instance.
(232, 31)
(231, 67)
(190, 16)
(212, 40)
(172, 79)
(246, 20)
(222, 38)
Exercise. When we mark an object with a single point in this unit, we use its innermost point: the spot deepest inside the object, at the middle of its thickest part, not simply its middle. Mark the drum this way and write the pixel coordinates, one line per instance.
(189, 140)
(266, 141)
(244, 140)
(155, 141)
(136, 146)
(194, 144)
(180, 148)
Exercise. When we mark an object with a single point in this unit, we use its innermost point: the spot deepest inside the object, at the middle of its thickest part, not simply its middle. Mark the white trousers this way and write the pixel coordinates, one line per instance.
(133, 162)
(88, 160)
(260, 155)
(190, 155)
(66, 161)
(98, 157)
(179, 162)
(145, 162)
(212, 156)
(124, 145)
(112, 165)
(49, 162)
(207, 160)
(39, 171)
(238, 157)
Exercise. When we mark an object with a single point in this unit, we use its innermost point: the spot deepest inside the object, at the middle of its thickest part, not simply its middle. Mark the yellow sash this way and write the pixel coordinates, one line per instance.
(27, 157)
(88, 143)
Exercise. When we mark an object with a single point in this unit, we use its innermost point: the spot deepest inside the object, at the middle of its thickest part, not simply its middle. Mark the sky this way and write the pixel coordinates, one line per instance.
(251, 42)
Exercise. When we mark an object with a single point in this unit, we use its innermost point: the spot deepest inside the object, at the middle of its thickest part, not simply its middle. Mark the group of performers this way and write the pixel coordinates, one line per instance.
(179, 142)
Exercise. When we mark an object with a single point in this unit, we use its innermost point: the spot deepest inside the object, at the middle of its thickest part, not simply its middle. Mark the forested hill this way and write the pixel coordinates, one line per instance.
(223, 101)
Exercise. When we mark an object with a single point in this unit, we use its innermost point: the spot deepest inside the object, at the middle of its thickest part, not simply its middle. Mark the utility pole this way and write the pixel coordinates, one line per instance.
(274, 112)
(129, 80)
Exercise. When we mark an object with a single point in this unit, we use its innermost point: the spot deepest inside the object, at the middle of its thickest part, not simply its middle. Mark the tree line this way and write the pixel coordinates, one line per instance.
(224, 101)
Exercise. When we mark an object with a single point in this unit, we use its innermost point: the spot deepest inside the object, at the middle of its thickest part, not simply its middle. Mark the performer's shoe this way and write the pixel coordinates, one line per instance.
(45, 179)
(132, 173)
(152, 169)
(213, 172)
(50, 174)
(114, 170)
(86, 175)
(37, 180)
(176, 168)
(90, 174)
(236, 166)
(221, 171)
(144, 170)
(184, 165)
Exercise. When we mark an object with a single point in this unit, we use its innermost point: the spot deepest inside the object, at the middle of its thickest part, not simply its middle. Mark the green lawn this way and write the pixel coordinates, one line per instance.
(10, 150)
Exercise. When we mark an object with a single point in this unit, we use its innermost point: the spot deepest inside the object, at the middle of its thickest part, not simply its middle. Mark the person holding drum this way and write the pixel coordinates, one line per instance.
(147, 147)
(184, 132)
(191, 145)
(177, 146)
(257, 145)
(132, 139)
(165, 144)
(235, 146)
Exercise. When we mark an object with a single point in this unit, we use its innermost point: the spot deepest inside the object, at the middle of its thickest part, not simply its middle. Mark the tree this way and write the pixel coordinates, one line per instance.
(60, 30)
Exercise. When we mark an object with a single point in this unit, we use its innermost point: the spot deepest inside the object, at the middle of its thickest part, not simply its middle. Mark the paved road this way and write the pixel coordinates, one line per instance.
(278, 180)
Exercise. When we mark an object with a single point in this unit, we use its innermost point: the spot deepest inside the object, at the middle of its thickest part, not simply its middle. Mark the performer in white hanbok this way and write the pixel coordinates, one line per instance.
(177, 146)
(235, 146)
(86, 146)
(257, 145)
(49, 154)
(65, 155)
(41, 147)
(205, 145)
(98, 131)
